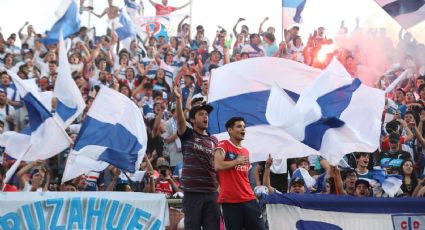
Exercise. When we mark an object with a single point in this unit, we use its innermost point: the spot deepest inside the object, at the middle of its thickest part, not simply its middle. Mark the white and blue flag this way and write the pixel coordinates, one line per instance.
(406, 12)
(334, 115)
(68, 23)
(133, 8)
(70, 103)
(45, 136)
(243, 88)
(291, 12)
(124, 27)
(333, 212)
(303, 174)
(113, 132)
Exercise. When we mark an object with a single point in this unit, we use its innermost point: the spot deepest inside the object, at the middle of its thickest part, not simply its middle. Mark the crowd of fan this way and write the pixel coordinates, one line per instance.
(148, 70)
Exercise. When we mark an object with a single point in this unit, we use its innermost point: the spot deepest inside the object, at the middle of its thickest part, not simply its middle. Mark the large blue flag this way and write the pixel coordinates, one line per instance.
(291, 12)
(69, 23)
(242, 89)
(112, 133)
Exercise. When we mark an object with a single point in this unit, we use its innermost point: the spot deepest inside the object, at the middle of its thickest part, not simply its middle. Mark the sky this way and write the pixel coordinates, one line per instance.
(328, 13)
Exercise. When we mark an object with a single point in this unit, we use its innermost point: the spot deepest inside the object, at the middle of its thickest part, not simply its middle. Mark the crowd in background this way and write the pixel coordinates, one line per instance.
(148, 69)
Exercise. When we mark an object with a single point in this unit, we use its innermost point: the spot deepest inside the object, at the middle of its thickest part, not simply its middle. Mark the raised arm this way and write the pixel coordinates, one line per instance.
(339, 187)
(97, 15)
(266, 175)
(180, 25)
(152, 3)
(183, 6)
(181, 122)
(260, 29)
(20, 30)
(235, 32)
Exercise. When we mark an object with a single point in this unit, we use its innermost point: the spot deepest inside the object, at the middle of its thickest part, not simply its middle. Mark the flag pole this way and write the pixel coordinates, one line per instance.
(89, 18)
(282, 29)
(15, 165)
(190, 16)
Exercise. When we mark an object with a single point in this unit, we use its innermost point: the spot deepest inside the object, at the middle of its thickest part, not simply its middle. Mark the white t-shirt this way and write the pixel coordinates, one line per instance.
(3, 116)
(252, 52)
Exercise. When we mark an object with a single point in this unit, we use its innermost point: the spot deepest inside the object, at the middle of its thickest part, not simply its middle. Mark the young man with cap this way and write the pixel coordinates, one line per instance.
(238, 203)
(198, 179)
(362, 188)
(297, 185)
(165, 183)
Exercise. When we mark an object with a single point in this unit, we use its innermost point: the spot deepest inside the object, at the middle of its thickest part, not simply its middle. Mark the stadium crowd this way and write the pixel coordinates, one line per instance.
(143, 72)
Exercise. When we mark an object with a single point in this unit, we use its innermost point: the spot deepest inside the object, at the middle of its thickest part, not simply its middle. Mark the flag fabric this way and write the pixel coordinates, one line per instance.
(45, 137)
(333, 212)
(291, 12)
(309, 181)
(44, 97)
(158, 25)
(133, 8)
(334, 115)
(406, 12)
(124, 26)
(70, 103)
(155, 25)
(112, 133)
(68, 23)
(390, 183)
(242, 89)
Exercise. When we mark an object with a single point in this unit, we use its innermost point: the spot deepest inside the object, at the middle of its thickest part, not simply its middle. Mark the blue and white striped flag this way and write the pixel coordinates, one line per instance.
(243, 88)
(112, 133)
(291, 12)
(335, 115)
(68, 23)
(45, 137)
(70, 103)
(406, 12)
(133, 8)
(124, 27)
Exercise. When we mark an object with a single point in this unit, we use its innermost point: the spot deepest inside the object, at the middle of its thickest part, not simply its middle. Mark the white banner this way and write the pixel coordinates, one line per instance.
(330, 212)
(83, 210)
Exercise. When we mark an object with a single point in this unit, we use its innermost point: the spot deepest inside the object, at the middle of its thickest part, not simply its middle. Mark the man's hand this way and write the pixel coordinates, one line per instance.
(178, 92)
(269, 161)
(241, 160)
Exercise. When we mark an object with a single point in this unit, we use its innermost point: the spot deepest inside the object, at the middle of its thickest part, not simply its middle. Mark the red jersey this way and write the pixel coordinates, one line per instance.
(10, 188)
(164, 10)
(165, 187)
(385, 144)
(234, 183)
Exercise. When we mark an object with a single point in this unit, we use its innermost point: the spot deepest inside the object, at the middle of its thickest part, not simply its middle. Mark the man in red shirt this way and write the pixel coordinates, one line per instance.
(164, 9)
(240, 208)
(5, 187)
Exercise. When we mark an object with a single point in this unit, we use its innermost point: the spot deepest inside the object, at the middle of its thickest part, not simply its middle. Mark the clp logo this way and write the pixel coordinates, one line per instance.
(409, 222)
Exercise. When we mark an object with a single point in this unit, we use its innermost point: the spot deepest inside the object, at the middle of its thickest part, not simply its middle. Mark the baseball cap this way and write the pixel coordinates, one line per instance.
(195, 109)
(362, 181)
(297, 180)
(163, 164)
